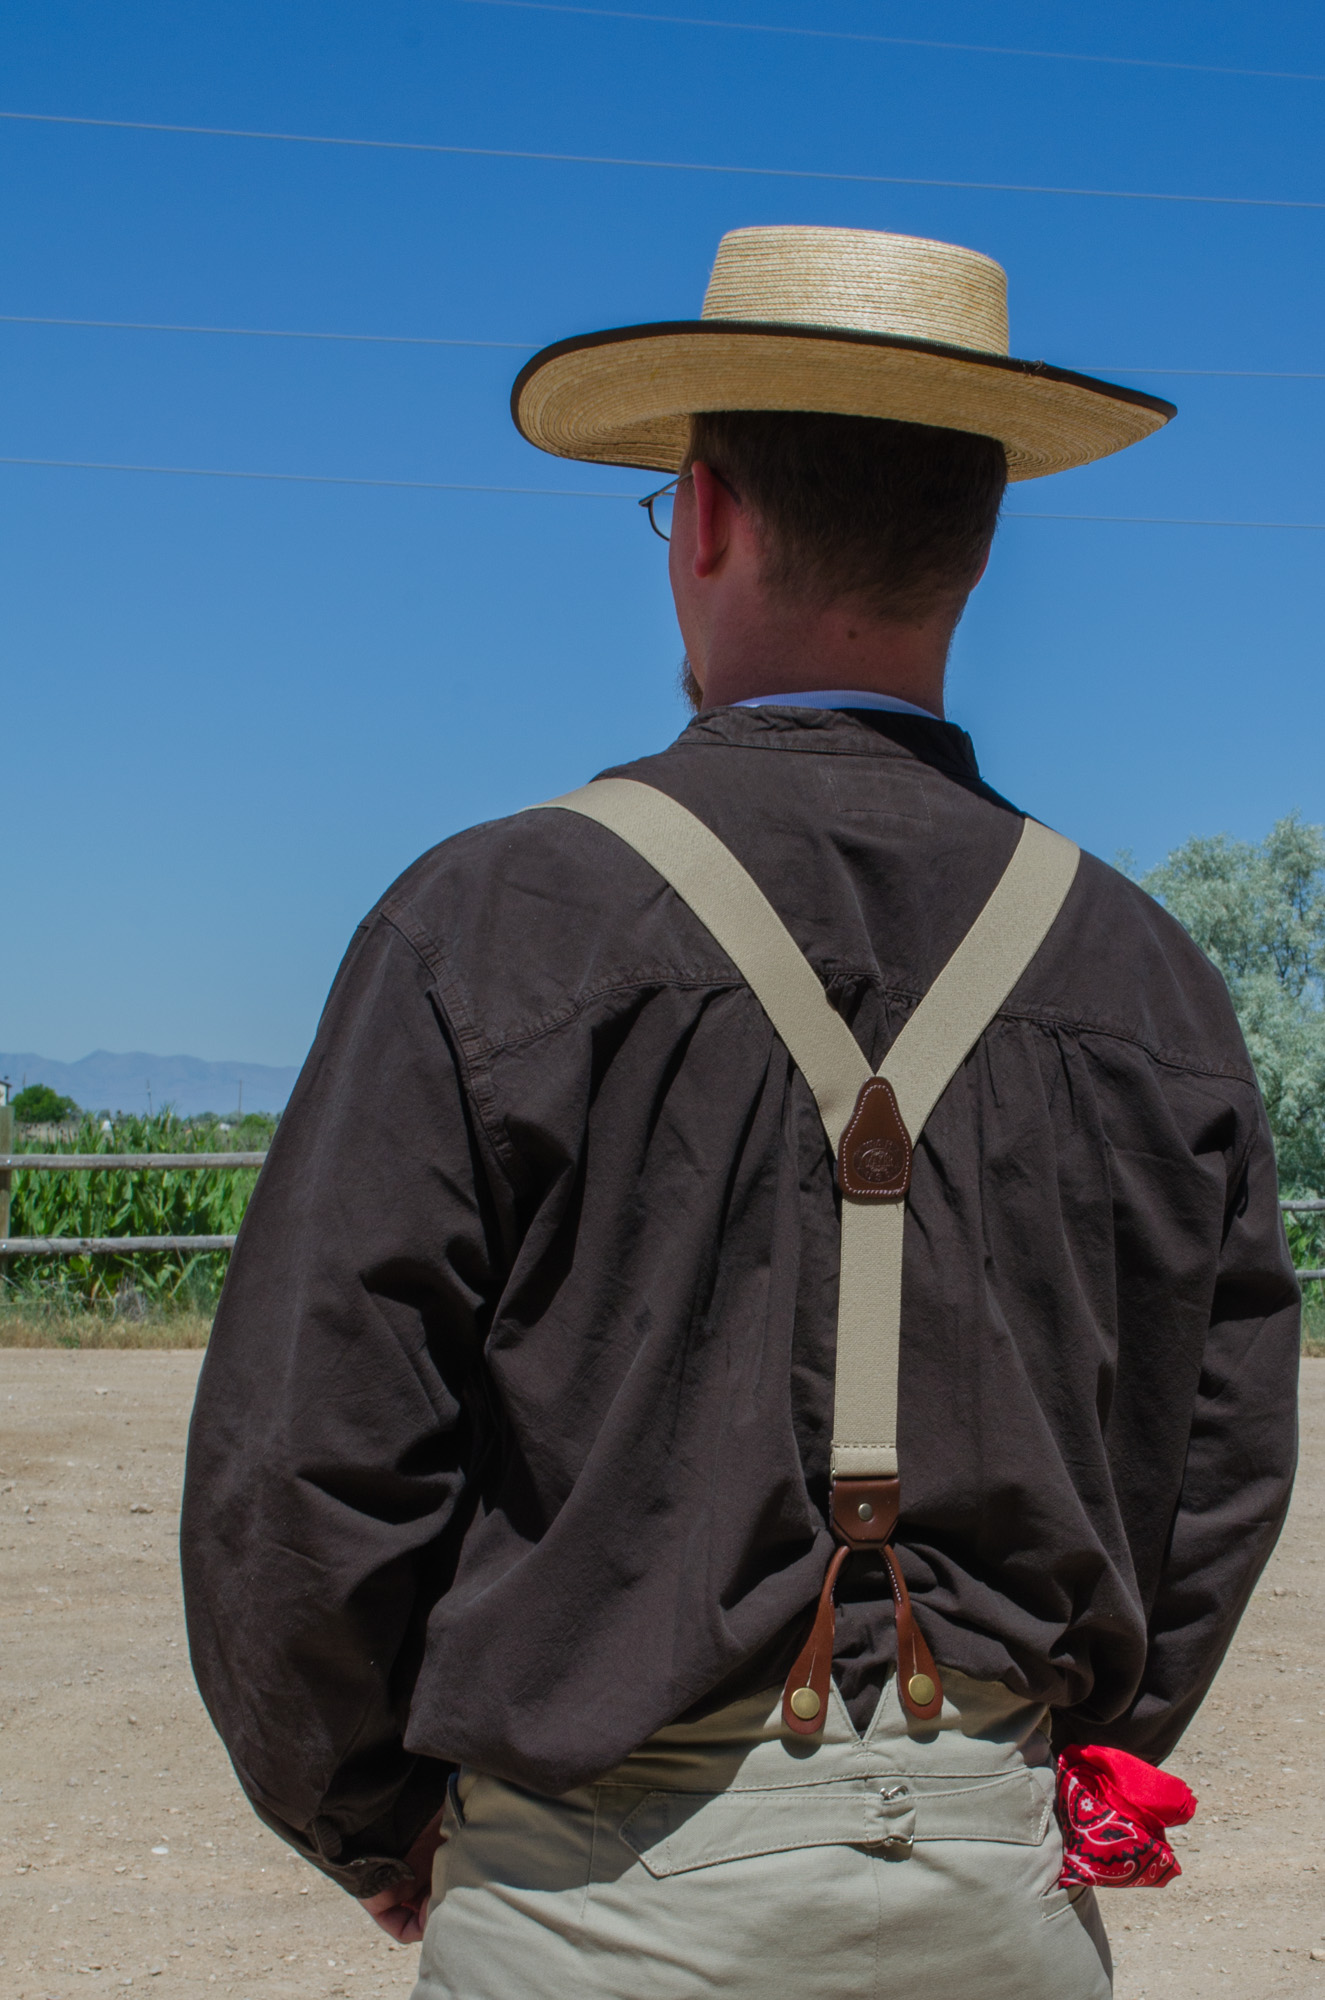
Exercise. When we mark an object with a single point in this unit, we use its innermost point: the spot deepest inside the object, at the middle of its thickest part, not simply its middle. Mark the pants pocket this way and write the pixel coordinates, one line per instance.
(1057, 1901)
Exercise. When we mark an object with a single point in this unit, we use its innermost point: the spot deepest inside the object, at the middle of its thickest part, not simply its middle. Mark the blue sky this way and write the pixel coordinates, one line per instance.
(234, 711)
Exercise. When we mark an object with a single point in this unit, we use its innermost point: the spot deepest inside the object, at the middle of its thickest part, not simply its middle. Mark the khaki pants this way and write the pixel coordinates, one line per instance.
(730, 1857)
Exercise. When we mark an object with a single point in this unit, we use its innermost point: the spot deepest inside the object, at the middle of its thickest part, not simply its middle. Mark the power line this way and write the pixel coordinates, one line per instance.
(1228, 374)
(531, 347)
(659, 166)
(264, 332)
(898, 41)
(580, 492)
(315, 478)
(1171, 521)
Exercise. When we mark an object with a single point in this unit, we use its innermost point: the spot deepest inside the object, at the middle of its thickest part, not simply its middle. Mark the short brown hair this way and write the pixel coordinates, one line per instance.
(894, 517)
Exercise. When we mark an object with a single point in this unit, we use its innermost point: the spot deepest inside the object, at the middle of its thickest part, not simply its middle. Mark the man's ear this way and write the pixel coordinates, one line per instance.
(715, 512)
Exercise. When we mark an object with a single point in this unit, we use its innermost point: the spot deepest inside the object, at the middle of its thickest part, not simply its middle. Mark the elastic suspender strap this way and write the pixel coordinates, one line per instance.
(920, 1064)
(981, 973)
(738, 914)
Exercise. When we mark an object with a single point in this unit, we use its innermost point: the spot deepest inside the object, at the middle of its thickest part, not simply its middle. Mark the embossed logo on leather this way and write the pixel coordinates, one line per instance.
(878, 1160)
(874, 1157)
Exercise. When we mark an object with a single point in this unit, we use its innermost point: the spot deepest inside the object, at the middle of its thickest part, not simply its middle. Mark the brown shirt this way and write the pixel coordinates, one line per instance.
(511, 1443)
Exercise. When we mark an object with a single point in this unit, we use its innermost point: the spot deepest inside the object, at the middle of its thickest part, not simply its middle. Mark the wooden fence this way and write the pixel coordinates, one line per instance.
(120, 1246)
(104, 1163)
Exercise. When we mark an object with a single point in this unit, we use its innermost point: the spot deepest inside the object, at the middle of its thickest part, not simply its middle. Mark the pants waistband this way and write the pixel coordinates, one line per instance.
(984, 1730)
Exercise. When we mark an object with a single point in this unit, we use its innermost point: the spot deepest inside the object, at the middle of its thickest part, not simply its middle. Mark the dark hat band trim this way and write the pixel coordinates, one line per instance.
(844, 336)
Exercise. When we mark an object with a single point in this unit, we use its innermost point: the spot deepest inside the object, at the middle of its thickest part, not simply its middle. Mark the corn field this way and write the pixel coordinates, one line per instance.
(202, 1202)
(211, 1202)
(1306, 1240)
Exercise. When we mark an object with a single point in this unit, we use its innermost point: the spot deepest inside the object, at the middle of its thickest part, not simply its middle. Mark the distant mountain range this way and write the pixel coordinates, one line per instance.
(139, 1082)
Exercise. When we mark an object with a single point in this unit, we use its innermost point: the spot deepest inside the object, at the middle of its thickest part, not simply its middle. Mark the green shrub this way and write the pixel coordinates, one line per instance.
(1259, 913)
(40, 1105)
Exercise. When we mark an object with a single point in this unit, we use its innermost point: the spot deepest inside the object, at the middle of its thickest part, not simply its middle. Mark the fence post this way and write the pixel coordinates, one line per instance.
(6, 1146)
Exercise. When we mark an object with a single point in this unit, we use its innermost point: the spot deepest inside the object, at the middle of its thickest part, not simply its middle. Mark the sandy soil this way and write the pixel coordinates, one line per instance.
(129, 1858)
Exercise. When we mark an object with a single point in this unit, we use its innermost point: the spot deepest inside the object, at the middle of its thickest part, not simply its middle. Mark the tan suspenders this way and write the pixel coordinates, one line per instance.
(872, 1121)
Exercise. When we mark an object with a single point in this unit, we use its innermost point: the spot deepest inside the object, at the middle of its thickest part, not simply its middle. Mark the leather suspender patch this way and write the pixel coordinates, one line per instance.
(874, 1152)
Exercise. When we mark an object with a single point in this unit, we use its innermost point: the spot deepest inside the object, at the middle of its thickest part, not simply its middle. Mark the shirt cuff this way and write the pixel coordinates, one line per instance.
(366, 1862)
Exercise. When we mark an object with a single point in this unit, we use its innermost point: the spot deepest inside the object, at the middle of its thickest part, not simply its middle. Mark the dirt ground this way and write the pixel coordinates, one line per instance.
(129, 1858)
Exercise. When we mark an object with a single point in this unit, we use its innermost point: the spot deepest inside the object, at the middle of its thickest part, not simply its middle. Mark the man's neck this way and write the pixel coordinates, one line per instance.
(792, 650)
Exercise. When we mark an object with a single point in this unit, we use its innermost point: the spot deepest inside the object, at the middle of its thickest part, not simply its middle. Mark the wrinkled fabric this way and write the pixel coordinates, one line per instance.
(511, 1443)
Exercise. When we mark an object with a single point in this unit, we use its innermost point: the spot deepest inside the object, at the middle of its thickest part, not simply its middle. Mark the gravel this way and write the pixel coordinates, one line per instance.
(129, 1858)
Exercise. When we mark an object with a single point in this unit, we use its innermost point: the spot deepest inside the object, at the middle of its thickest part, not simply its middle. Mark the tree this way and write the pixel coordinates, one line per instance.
(40, 1105)
(1259, 913)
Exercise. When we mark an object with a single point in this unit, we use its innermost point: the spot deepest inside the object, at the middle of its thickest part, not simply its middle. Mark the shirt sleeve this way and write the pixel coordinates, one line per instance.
(1238, 1478)
(336, 1417)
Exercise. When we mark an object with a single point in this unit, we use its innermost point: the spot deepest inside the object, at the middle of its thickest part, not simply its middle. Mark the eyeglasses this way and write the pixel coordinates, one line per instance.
(661, 505)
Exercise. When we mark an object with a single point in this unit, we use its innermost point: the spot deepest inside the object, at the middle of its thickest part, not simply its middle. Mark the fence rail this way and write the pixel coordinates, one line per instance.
(111, 1246)
(123, 1246)
(92, 1163)
(107, 1246)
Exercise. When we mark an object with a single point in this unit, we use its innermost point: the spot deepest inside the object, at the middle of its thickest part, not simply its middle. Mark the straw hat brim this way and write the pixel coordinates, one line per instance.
(626, 396)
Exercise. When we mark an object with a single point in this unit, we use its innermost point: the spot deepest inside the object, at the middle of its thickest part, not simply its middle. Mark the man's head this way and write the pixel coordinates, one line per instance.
(832, 550)
(817, 551)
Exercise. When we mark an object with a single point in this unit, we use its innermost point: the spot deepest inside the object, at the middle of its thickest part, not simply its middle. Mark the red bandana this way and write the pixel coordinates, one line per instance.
(1113, 1809)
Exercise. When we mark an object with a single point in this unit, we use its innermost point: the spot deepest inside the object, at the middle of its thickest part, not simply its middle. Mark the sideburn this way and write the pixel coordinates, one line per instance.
(691, 691)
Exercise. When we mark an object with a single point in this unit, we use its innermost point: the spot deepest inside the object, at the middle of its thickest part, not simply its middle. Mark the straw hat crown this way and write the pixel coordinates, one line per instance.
(851, 322)
(861, 281)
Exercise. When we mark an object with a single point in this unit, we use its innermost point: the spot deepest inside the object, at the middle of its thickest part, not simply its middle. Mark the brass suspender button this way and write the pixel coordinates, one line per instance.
(865, 1512)
(805, 1704)
(921, 1690)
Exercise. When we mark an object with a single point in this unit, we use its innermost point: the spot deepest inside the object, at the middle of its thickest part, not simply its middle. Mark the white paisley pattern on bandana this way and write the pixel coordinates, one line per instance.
(1112, 1809)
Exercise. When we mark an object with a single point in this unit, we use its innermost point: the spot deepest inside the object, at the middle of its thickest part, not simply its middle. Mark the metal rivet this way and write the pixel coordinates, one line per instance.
(865, 1511)
(805, 1704)
(921, 1690)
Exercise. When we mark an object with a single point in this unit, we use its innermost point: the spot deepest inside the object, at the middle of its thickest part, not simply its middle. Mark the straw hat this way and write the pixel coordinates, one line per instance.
(846, 320)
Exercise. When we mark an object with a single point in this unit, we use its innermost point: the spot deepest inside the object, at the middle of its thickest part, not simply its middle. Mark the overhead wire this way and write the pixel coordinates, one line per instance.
(420, 340)
(580, 492)
(1230, 374)
(898, 41)
(1171, 521)
(657, 166)
(531, 347)
(316, 478)
(264, 332)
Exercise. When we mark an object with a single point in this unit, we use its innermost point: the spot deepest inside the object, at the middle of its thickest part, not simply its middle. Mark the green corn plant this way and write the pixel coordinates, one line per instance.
(143, 1202)
(1306, 1242)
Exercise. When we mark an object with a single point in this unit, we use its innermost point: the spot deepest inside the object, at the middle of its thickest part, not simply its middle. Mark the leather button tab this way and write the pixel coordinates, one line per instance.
(864, 1511)
(874, 1156)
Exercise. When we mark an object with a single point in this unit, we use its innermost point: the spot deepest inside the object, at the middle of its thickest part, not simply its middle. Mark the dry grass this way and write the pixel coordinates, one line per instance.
(28, 1327)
